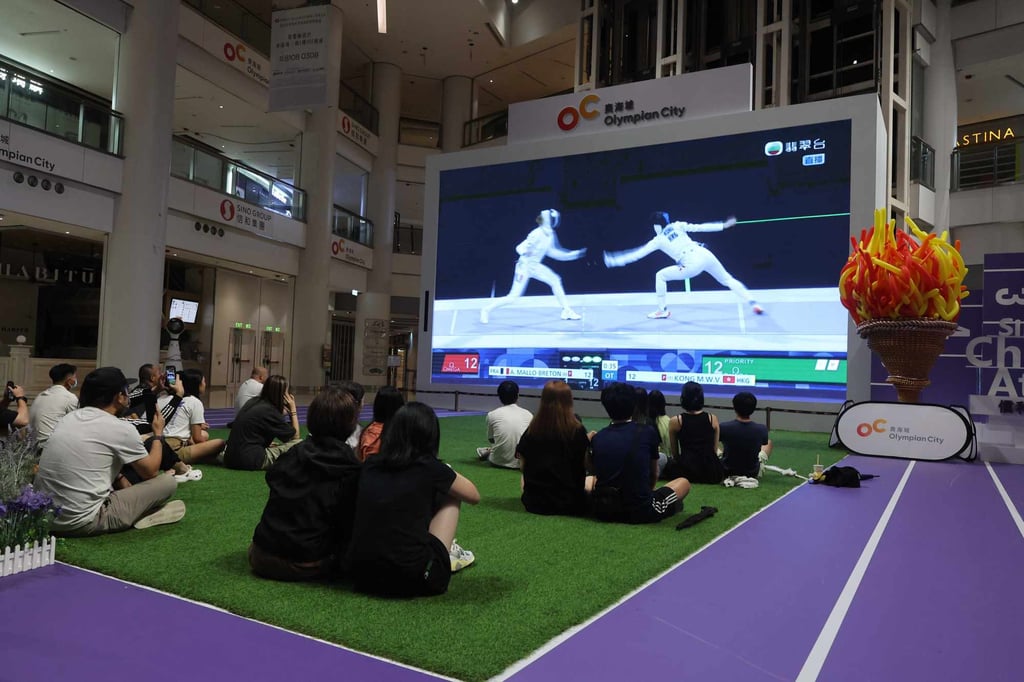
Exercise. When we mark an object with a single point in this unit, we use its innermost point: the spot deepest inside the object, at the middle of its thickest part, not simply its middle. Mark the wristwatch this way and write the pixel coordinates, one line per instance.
(20, 397)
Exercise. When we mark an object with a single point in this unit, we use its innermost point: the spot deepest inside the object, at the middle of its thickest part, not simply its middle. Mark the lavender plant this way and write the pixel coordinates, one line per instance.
(25, 513)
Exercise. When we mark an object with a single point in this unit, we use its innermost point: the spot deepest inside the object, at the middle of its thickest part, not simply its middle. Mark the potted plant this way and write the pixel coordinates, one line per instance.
(25, 513)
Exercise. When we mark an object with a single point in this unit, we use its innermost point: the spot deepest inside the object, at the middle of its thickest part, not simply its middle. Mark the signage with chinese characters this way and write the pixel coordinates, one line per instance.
(236, 54)
(909, 431)
(352, 252)
(662, 100)
(357, 132)
(298, 57)
(25, 147)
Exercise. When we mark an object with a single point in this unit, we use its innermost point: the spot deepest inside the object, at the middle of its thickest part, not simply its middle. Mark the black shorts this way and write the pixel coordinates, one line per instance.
(664, 503)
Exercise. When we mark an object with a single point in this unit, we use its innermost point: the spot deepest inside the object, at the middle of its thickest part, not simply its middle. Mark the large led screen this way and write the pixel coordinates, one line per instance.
(713, 260)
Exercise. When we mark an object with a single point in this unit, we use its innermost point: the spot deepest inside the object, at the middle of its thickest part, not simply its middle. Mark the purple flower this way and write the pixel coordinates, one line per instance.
(31, 501)
(3, 509)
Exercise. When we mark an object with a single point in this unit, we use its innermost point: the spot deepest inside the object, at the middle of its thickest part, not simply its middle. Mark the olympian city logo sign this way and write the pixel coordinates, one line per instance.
(616, 114)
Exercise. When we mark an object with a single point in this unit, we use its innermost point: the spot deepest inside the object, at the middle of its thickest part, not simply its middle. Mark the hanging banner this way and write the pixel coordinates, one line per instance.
(298, 56)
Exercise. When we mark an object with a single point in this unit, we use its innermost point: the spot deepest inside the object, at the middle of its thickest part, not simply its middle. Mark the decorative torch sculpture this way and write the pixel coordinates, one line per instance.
(903, 290)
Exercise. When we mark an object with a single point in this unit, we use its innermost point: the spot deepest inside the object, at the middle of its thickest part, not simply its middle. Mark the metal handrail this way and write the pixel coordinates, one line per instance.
(359, 108)
(237, 20)
(352, 226)
(987, 165)
(922, 163)
(223, 179)
(485, 128)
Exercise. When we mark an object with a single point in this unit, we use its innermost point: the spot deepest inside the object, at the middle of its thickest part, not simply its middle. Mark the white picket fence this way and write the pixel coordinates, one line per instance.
(18, 560)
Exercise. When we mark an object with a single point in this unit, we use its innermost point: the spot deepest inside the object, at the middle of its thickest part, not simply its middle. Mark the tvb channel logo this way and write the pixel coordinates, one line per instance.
(773, 148)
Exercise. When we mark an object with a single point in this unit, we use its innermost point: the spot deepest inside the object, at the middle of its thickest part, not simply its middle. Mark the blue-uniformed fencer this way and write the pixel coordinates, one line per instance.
(691, 258)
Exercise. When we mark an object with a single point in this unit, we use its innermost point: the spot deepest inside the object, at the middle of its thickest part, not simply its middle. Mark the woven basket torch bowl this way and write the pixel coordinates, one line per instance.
(908, 348)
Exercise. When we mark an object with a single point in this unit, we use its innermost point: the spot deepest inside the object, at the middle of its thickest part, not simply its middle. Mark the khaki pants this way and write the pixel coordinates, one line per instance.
(124, 507)
(271, 454)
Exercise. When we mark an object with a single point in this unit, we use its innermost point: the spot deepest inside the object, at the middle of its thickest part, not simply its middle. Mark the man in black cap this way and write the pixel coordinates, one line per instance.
(84, 455)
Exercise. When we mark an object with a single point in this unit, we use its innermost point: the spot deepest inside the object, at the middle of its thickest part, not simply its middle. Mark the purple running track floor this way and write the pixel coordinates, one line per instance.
(938, 600)
(932, 604)
(748, 607)
(63, 623)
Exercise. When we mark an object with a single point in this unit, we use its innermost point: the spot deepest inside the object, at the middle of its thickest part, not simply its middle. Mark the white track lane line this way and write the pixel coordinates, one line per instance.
(1014, 514)
(333, 645)
(565, 636)
(827, 636)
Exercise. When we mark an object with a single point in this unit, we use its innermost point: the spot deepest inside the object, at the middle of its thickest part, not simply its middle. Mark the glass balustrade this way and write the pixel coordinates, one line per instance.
(34, 101)
(352, 226)
(202, 166)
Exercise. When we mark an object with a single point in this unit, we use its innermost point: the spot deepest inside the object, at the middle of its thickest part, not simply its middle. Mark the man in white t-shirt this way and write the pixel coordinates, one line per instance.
(55, 402)
(250, 388)
(84, 455)
(505, 426)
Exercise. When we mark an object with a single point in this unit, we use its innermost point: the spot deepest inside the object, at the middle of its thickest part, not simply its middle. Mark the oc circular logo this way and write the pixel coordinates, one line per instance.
(234, 52)
(227, 210)
(569, 117)
(865, 429)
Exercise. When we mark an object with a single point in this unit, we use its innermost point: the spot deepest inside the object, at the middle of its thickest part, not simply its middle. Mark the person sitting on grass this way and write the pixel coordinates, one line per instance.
(14, 413)
(693, 438)
(55, 402)
(271, 415)
(387, 401)
(169, 460)
(407, 512)
(187, 432)
(144, 396)
(624, 459)
(744, 440)
(251, 388)
(659, 419)
(356, 390)
(552, 455)
(84, 455)
(307, 523)
(505, 426)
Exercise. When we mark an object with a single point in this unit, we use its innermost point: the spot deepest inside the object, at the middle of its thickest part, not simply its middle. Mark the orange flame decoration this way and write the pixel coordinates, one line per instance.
(892, 275)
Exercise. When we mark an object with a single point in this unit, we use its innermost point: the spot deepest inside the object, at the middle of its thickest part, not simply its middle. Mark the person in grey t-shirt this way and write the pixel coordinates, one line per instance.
(250, 388)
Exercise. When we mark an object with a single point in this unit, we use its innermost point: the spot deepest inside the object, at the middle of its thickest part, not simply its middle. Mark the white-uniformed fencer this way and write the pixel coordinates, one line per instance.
(539, 244)
(691, 258)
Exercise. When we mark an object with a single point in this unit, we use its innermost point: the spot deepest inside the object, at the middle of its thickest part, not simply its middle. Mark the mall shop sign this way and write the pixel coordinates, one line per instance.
(298, 58)
(236, 54)
(357, 132)
(352, 252)
(25, 147)
(662, 100)
(248, 217)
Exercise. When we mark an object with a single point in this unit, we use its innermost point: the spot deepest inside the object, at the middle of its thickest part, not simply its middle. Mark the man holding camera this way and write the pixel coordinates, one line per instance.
(13, 409)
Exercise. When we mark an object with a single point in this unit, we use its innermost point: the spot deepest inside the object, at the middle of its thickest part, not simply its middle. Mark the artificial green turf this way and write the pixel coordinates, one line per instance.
(534, 577)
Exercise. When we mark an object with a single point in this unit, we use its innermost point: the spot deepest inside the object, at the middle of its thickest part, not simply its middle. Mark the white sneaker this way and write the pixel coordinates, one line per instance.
(460, 558)
(172, 512)
(483, 454)
(570, 314)
(484, 316)
(758, 310)
(659, 314)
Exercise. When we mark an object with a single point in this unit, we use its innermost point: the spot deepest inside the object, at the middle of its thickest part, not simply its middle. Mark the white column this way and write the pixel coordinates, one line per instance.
(312, 290)
(131, 299)
(456, 107)
(376, 304)
(940, 110)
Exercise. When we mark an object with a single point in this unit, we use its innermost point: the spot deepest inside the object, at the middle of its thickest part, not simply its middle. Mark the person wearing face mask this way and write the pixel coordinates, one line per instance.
(55, 402)
(84, 455)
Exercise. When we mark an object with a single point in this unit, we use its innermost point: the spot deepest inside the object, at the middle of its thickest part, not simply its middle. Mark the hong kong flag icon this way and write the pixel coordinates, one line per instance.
(664, 377)
(728, 379)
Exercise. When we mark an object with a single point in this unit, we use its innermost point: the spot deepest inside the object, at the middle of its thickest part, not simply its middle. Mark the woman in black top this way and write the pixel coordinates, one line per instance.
(307, 523)
(552, 454)
(258, 423)
(693, 436)
(407, 511)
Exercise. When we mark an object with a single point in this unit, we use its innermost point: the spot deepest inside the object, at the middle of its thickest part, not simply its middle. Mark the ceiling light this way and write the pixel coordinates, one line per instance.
(854, 61)
(492, 80)
(174, 254)
(67, 232)
(222, 106)
(51, 70)
(515, 2)
(382, 16)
